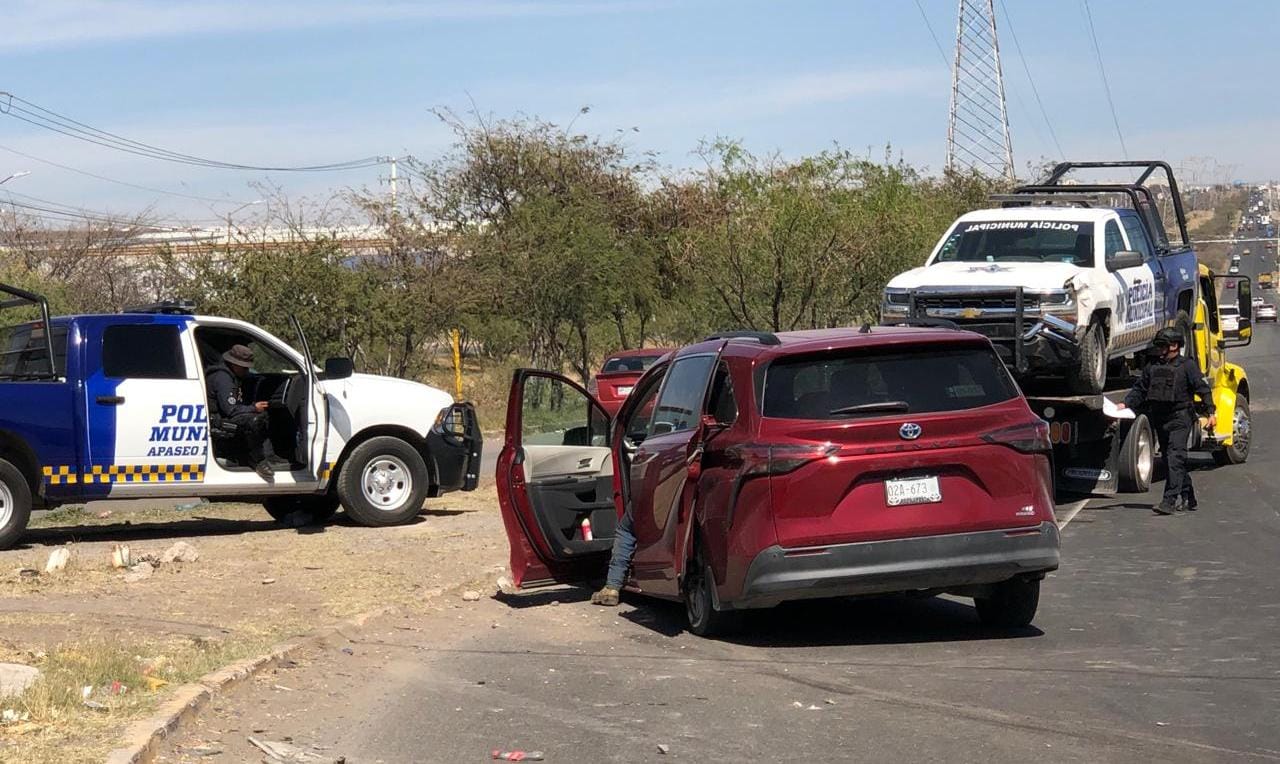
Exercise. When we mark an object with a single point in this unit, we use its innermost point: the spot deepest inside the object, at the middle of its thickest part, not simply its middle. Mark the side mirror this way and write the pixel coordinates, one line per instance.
(1244, 301)
(712, 427)
(1125, 258)
(338, 368)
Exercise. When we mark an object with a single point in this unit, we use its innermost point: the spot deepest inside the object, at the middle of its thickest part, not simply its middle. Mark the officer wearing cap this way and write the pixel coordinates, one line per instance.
(1166, 393)
(226, 405)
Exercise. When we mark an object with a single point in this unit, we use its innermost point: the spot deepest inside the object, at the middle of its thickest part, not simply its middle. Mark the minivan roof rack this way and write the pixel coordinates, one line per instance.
(764, 338)
(165, 308)
(925, 323)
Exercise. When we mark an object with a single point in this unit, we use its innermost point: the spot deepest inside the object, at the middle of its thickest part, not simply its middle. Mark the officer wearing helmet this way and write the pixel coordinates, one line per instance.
(1166, 392)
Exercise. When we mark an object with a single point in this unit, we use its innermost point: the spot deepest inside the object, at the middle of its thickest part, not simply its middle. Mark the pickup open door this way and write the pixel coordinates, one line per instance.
(555, 471)
(309, 408)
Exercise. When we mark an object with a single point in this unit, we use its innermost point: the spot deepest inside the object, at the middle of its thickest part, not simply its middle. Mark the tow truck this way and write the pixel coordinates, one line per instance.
(1097, 453)
(1095, 450)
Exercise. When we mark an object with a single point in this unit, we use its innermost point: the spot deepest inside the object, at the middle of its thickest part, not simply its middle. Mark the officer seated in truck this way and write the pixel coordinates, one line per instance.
(230, 418)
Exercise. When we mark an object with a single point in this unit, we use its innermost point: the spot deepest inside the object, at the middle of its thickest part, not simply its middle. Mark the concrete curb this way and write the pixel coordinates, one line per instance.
(143, 738)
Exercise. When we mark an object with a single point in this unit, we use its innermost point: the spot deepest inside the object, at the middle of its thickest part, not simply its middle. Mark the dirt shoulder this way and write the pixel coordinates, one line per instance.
(255, 583)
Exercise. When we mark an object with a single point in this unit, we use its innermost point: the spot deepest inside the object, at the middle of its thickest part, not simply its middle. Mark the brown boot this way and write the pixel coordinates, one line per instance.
(606, 596)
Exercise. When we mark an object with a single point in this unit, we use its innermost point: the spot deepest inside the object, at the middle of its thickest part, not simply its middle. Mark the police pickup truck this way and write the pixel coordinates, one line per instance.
(114, 406)
(1065, 278)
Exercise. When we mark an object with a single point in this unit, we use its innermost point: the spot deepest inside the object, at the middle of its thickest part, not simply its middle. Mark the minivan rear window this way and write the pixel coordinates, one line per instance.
(885, 382)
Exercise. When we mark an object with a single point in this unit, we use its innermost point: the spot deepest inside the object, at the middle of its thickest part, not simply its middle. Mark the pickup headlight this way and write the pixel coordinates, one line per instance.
(895, 304)
(1060, 303)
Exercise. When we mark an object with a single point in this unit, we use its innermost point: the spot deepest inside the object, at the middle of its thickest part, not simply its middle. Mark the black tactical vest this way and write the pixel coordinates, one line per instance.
(1162, 389)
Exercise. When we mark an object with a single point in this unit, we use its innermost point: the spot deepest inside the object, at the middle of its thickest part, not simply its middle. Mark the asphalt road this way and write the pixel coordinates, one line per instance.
(1156, 640)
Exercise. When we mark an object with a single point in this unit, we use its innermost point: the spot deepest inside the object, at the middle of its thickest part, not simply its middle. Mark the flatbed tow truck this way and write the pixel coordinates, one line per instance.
(1095, 450)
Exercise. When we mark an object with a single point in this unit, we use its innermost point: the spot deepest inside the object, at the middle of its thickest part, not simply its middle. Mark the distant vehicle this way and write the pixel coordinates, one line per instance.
(762, 468)
(1230, 316)
(1265, 281)
(1234, 269)
(618, 374)
(1265, 312)
(1244, 252)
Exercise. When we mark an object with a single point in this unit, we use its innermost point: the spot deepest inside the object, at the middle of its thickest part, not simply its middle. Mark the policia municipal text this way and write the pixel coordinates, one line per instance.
(1166, 393)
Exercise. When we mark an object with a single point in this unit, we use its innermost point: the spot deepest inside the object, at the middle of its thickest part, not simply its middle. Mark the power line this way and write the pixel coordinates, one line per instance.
(33, 114)
(88, 174)
(66, 212)
(1102, 70)
(934, 35)
(1018, 46)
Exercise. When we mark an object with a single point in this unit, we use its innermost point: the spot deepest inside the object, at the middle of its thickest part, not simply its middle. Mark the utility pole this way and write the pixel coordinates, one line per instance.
(978, 123)
(393, 183)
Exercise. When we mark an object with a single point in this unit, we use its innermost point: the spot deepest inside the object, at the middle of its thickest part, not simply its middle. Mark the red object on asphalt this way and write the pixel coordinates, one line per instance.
(763, 468)
(619, 373)
(517, 755)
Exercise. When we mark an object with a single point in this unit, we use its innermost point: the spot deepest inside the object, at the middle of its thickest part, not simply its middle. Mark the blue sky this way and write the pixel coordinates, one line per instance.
(313, 81)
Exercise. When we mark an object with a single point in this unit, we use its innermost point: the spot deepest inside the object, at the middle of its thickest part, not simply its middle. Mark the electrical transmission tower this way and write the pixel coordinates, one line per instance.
(978, 125)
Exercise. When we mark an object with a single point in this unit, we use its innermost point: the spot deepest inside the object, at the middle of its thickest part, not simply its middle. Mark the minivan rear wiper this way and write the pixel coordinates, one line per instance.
(870, 408)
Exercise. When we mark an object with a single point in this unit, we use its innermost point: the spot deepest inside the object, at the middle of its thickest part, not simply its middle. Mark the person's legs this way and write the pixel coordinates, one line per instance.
(624, 548)
(1177, 429)
(252, 431)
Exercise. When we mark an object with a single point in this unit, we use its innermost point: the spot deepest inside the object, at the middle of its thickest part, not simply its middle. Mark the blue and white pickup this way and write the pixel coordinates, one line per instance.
(1065, 278)
(115, 406)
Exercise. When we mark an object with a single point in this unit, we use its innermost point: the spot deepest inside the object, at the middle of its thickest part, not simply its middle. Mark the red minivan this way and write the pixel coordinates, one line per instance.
(761, 468)
(619, 374)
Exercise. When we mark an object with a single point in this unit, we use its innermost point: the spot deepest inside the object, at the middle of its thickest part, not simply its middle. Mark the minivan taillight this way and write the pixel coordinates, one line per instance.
(781, 458)
(1029, 438)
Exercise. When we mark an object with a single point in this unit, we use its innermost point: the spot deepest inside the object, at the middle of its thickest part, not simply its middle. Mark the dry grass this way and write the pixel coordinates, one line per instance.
(58, 725)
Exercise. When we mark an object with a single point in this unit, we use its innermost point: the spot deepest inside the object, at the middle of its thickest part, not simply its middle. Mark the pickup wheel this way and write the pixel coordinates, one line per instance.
(15, 504)
(383, 482)
(297, 511)
(1090, 376)
(1137, 457)
(1241, 436)
(1011, 604)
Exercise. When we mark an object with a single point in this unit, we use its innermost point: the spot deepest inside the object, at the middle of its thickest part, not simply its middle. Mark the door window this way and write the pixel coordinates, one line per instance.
(1114, 241)
(555, 413)
(723, 405)
(143, 351)
(637, 425)
(1137, 235)
(680, 403)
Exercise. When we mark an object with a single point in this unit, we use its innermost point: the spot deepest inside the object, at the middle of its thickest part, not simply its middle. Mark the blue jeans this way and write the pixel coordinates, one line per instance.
(624, 548)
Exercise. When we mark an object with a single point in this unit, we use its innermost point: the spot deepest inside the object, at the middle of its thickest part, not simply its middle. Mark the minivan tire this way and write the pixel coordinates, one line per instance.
(1090, 376)
(15, 504)
(1138, 456)
(315, 509)
(699, 603)
(1010, 605)
(401, 465)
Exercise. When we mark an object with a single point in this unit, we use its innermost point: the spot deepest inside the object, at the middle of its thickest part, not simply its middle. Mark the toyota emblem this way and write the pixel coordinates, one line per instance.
(909, 431)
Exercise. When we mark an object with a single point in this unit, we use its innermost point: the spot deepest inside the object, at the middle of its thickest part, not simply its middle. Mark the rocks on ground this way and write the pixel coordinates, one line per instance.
(15, 678)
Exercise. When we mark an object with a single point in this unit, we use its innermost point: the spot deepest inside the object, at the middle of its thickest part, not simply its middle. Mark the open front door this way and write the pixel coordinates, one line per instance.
(555, 481)
(307, 405)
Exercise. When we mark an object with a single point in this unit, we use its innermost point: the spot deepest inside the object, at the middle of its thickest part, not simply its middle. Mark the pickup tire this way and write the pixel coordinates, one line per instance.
(383, 482)
(1090, 375)
(15, 504)
(1137, 457)
(1011, 604)
(1241, 436)
(297, 511)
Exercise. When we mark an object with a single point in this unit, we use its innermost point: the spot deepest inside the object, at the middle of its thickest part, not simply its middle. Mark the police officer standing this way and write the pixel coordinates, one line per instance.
(226, 401)
(1166, 393)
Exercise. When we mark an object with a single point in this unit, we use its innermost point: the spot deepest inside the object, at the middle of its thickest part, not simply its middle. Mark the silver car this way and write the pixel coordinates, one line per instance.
(1265, 312)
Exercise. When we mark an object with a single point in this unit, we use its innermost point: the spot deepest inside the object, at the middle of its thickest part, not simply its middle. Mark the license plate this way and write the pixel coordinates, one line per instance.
(625, 390)
(923, 490)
